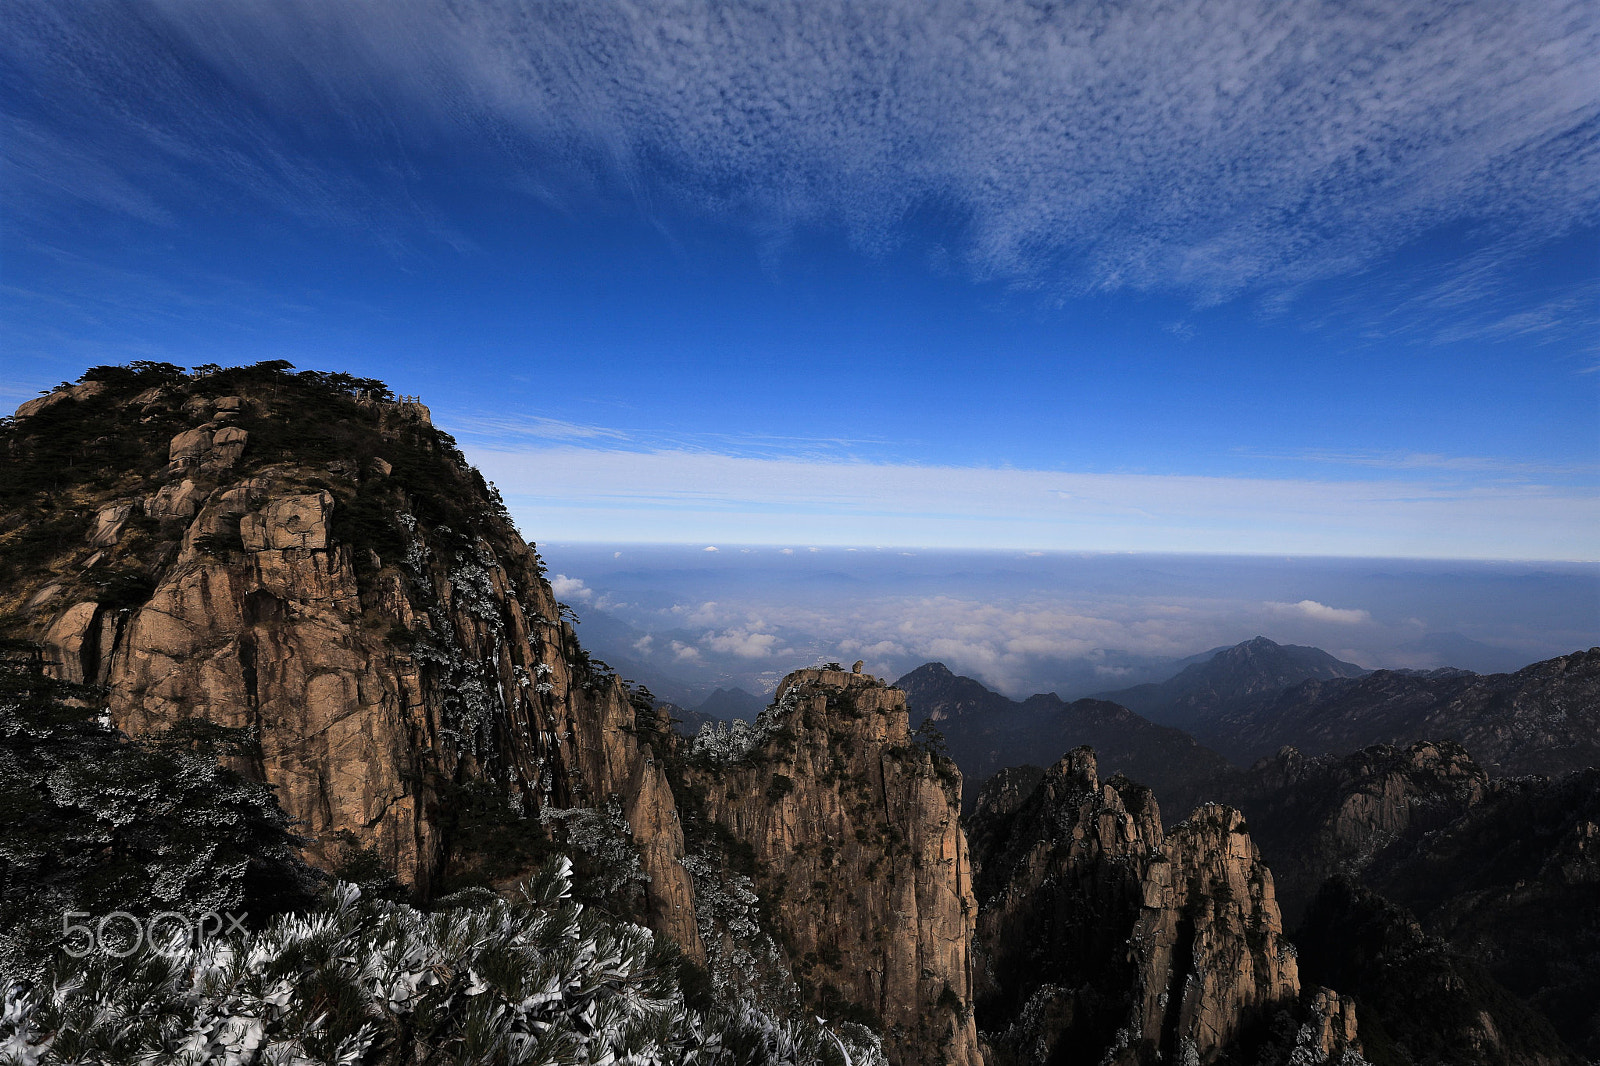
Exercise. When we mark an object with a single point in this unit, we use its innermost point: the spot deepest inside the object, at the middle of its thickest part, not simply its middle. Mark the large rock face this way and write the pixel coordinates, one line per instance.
(1421, 1000)
(1490, 891)
(1107, 940)
(1513, 883)
(324, 567)
(861, 861)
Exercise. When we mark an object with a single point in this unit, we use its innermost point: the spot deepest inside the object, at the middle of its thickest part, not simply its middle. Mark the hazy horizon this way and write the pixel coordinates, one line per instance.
(685, 619)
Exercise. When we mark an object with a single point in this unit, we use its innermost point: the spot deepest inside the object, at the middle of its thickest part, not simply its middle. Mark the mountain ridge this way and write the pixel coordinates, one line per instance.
(306, 558)
(1228, 677)
(1544, 718)
(986, 732)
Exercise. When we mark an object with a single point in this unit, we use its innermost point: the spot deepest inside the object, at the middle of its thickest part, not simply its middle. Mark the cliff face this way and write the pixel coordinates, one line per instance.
(1105, 939)
(1421, 1000)
(298, 554)
(1513, 882)
(1490, 891)
(860, 857)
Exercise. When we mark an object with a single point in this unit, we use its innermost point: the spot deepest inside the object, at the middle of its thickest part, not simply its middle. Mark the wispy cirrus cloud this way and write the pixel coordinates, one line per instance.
(589, 494)
(502, 431)
(1172, 145)
(536, 427)
(1438, 464)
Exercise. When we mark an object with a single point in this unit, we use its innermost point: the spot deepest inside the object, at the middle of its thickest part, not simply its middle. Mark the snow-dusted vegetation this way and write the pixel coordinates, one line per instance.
(605, 838)
(154, 832)
(721, 743)
(538, 980)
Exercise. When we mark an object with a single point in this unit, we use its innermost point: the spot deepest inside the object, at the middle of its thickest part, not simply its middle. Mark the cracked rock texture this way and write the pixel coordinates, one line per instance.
(1315, 817)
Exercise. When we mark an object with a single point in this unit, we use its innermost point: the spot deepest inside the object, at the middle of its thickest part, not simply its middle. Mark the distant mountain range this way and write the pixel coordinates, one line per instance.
(1545, 718)
(722, 706)
(986, 732)
(726, 704)
(1229, 676)
(1132, 730)
(1250, 700)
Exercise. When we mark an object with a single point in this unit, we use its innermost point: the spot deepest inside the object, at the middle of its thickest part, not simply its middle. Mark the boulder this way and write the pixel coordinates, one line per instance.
(288, 522)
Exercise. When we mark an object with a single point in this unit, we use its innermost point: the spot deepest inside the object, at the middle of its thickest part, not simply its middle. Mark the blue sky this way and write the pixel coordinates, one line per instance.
(1252, 277)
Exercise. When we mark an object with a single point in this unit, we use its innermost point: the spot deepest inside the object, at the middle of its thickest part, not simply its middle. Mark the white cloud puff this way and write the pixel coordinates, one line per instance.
(1321, 612)
(705, 614)
(745, 643)
(570, 588)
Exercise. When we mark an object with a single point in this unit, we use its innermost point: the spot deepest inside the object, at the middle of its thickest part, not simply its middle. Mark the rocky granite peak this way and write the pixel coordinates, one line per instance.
(1245, 671)
(938, 695)
(303, 555)
(853, 826)
(1103, 938)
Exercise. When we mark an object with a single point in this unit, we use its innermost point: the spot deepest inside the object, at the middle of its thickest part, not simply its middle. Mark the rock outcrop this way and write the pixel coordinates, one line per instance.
(1106, 939)
(1513, 883)
(1490, 893)
(1421, 1000)
(860, 859)
(297, 554)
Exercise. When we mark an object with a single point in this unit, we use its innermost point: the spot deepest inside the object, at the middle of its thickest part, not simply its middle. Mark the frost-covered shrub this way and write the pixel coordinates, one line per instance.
(743, 959)
(541, 980)
(474, 589)
(1296, 1039)
(722, 743)
(96, 822)
(605, 840)
(469, 690)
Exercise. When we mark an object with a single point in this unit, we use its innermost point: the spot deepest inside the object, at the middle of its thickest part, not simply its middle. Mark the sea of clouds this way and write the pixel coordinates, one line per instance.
(687, 619)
